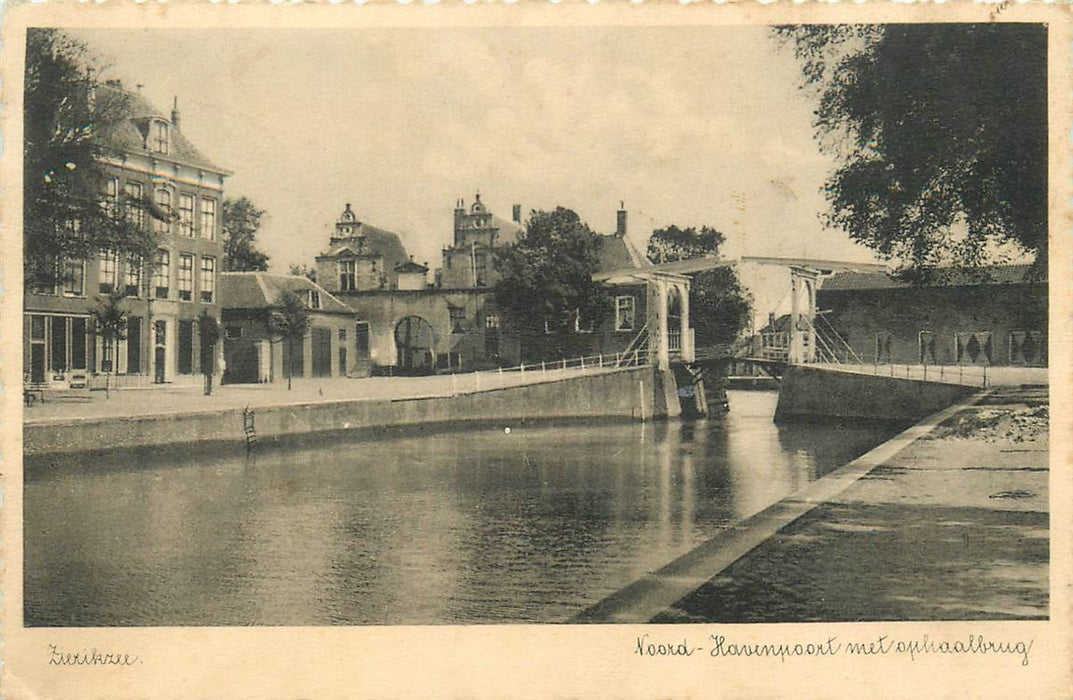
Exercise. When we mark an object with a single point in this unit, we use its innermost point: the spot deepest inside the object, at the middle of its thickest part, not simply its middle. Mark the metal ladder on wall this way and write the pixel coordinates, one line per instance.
(249, 430)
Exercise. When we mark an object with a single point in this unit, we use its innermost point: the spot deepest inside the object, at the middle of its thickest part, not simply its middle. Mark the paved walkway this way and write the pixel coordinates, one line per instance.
(954, 526)
(164, 400)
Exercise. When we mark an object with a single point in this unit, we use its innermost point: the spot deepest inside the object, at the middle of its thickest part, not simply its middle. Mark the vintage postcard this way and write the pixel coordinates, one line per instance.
(536, 350)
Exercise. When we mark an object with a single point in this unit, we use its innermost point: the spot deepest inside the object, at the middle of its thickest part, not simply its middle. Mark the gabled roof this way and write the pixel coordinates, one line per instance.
(410, 267)
(262, 290)
(508, 230)
(619, 253)
(131, 133)
(940, 277)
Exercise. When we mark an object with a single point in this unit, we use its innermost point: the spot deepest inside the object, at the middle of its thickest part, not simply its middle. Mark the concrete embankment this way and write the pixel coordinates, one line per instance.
(948, 520)
(808, 392)
(626, 394)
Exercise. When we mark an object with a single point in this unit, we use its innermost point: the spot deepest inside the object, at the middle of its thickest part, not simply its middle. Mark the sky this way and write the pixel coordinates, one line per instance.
(690, 126)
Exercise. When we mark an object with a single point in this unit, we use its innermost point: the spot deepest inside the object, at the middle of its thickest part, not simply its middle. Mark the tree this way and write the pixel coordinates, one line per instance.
(68, 116)
(289, 323)
(209, 333)
(241, 221)
(303, 271)
(718, 306)
(546, 283)
(940, 135)
(110, 325)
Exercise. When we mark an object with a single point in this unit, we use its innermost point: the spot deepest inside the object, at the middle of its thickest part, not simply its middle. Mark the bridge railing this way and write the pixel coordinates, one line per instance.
(967, 375)
(638, 357)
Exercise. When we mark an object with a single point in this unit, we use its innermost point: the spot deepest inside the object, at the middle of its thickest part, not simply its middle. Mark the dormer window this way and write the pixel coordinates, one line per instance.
(159, 137)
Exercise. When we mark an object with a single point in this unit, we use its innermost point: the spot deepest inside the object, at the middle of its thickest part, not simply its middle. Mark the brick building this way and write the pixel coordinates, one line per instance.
(164, 182)
(452, 324)
(990, 316)
(337, 344)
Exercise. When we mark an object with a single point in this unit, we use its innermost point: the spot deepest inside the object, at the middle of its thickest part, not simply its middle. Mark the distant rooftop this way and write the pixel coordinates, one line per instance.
(132, 133)
(261, 290)
(940, 277)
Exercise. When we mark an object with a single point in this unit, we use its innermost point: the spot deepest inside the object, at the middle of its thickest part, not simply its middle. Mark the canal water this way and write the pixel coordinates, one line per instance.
(476, 525)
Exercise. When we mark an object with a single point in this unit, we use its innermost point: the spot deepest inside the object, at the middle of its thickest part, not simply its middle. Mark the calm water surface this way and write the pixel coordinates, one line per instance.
(468, 526)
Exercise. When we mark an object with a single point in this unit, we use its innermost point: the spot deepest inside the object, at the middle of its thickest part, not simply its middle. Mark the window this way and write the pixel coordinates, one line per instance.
(111, 196)
(186, 215)
(133, 274)
(160, 137)
(480, 266)
(208, 280)
(347, 282)
(107, 271)
(162, 273)
(313, 298)
(162, 211)
(458, 318)
(342, 335)
(624, 316)
(135, 205)
(491, 321)
(78, 343)
(208, 218)
(233, 332)
(186, 277)
(582, 324)
(58, 335)
(74, 278)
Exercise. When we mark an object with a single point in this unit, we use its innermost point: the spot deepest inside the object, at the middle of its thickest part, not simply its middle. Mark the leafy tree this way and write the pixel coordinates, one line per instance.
(546, 283)
(940, 132)
(289, 324)
(209, 333)
(303, 271)
(109, 324)
(241, 221)
(718, 306)
(68, 116)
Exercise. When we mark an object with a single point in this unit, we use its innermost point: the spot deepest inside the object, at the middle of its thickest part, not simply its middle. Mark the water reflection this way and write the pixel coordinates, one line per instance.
(476, 525)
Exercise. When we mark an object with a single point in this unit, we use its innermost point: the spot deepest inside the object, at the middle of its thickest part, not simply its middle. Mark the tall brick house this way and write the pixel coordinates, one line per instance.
(164, 183)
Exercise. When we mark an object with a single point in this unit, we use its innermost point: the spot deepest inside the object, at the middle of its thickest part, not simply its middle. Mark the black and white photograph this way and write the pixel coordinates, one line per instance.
(677, 332)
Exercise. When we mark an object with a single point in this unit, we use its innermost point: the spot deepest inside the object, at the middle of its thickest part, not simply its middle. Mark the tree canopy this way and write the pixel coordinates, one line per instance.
(940, 133)
(289, 323)
(546, 283)
(67, 117)
(241, 222)
(719, 306)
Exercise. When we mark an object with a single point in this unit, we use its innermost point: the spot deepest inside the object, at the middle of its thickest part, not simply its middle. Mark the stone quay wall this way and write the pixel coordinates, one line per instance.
(809, 392)
(638, 393)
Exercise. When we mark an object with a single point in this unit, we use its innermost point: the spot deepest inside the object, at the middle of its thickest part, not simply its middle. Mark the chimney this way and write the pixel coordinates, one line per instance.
(516, 214)
(620, 229)
(175, 112)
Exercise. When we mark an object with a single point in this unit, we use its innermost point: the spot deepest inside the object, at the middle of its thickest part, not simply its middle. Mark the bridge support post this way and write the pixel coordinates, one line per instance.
(802, 316)
(663, 361)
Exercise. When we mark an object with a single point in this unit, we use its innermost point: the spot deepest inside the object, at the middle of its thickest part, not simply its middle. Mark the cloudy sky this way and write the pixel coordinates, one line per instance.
(686, 125)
